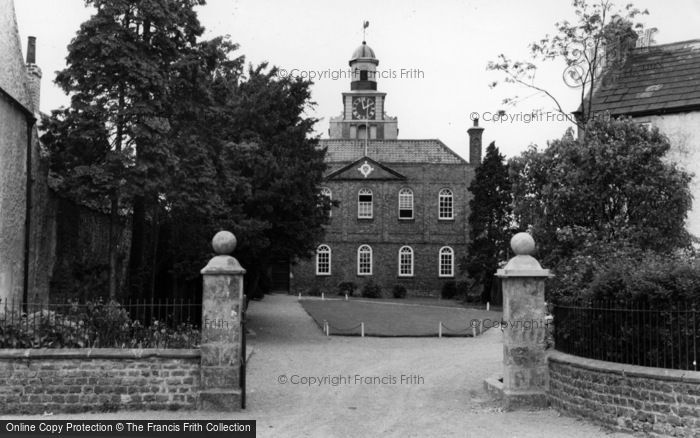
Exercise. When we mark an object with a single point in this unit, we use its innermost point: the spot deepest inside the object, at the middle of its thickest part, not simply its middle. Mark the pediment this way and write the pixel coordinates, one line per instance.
(365, 169)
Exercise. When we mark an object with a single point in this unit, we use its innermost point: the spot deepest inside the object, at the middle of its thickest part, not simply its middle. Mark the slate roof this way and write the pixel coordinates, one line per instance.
(654, 80)
(13, 75)
(391, 151)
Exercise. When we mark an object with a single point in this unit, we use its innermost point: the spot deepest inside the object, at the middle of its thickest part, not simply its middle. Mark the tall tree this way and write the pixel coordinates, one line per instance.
(612, 186)
(118, 75)
(247, 162)
(598, 40)
(490, 220)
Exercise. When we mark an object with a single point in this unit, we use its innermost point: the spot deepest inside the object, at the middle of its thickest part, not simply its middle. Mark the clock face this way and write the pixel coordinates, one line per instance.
(363, 107)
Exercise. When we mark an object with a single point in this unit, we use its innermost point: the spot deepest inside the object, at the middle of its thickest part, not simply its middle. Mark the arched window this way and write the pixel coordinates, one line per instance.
(405, 204)
(406, 261)
(325, 191)
(364, 260)
(446, 262)
(323, 260)
(445, 204)
(364, 204)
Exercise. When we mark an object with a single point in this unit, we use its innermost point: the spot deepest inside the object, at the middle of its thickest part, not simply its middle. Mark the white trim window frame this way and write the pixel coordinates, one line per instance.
(446, 262)
(364, 260)
(405, 204)
(365, 208)
(446, 209)
(323, 260)
(406, 261)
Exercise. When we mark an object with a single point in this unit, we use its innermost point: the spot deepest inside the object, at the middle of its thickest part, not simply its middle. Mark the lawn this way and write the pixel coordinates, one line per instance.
(393, 319)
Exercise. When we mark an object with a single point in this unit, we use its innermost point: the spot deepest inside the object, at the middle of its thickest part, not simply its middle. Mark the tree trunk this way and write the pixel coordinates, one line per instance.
(113, 246)
(138, 235)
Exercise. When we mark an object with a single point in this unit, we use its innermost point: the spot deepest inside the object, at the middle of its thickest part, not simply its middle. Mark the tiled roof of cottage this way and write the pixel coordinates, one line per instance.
(13, 75)
(654, 80)
(391, 151)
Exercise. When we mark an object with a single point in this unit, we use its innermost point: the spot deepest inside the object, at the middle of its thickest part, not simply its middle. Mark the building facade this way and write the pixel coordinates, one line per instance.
(18, 104)
(402, 205)
(659, 86)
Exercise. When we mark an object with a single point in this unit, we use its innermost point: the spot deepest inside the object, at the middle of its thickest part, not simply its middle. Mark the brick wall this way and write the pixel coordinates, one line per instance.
(385, 233)
(658, 402)
(97, 380)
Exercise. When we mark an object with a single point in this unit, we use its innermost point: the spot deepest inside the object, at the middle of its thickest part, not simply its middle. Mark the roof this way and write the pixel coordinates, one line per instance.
(659, 79)
(363, 51)
(13, 75)
(391, 151)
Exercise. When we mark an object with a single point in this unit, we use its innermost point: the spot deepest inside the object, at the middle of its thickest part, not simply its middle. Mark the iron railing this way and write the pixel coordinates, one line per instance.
(630, 332)
(132, 324)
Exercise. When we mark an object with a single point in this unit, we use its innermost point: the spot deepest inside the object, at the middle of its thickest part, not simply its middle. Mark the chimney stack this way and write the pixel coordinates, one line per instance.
(475, 133)
(33, 74)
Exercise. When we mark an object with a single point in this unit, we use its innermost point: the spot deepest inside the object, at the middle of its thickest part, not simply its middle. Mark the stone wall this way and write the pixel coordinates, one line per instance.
(659, 402)
(97, 380)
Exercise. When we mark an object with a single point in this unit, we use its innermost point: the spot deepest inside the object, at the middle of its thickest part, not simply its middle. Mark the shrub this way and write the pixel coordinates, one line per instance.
(399, 291)
(93, 325)
(371, 290)
(314, 291)
(449, 290)
(346, 288)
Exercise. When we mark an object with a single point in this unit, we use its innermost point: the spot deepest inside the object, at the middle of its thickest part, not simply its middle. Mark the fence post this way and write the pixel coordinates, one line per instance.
(440, 329)
(222, 307)
(525, 373)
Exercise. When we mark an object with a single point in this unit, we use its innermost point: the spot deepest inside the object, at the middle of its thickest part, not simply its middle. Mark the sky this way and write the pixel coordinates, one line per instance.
(433, 53)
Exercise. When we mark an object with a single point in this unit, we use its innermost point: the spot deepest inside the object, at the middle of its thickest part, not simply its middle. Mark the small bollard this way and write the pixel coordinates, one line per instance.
(323, 295)
(346, 297)
(440, 329)
(362, 329)
(299, 296)
(488, 305)
(473, 332)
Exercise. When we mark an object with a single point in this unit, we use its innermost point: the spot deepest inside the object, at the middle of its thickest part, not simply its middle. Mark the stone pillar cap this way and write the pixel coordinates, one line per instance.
(523, 264)
(223, 244)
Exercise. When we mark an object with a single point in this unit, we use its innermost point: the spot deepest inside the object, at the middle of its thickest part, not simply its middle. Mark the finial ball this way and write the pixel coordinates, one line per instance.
(522, 244)
(224, 242)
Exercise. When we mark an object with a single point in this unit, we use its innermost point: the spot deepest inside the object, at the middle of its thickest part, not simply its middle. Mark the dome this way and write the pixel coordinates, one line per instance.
(363, 51)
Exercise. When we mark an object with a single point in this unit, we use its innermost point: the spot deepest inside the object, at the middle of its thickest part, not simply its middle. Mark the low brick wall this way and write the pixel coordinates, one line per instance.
(659, 402)
(97, 380)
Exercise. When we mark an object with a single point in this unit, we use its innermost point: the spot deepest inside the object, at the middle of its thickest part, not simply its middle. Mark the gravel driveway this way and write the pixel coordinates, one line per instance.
(441, 395)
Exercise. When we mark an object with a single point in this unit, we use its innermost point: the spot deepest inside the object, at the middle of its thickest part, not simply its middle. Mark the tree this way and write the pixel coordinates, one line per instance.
(247, 163)
(613, 187)
(118, 75)
(598, 40)
(490, 219)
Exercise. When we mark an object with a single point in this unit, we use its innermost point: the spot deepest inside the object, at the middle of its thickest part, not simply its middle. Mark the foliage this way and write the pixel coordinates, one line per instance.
(599, 37)
(176, 134)
(314, 291)
(371, 290)
(110, 147)
(468, 291)
(399, 291)
(93, 325)
(346, 288)
(490, 219)
(449, 290)
(611, 188)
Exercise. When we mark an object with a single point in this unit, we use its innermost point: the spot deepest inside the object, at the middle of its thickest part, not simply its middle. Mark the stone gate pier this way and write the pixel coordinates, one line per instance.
(525, 373)
(222, 306)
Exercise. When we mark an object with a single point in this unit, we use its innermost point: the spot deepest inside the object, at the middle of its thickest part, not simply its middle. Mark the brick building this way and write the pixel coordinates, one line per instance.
(403, 204)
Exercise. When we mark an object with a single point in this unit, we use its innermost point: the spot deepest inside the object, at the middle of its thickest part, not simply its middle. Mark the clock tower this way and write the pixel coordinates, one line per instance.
(363, 106)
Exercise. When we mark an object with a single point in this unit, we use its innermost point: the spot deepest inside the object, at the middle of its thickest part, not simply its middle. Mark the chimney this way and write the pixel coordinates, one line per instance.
(475, 143)
(33, 74)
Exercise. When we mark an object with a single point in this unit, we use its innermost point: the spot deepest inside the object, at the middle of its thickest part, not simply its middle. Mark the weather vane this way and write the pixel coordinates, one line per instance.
(365, 25)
